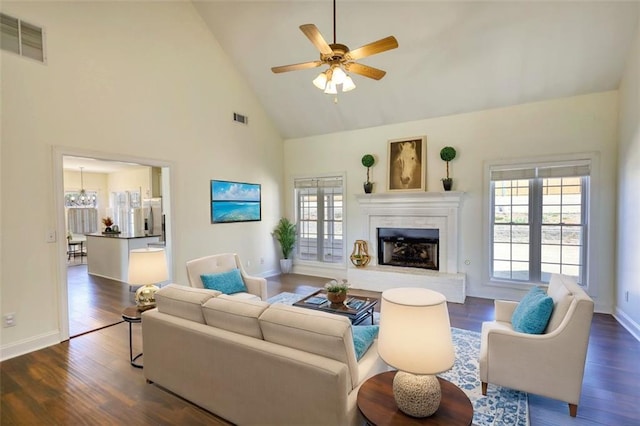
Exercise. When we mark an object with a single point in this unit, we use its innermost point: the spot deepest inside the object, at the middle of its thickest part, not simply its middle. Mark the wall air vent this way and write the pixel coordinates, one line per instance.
(22, 38)
(240, 118)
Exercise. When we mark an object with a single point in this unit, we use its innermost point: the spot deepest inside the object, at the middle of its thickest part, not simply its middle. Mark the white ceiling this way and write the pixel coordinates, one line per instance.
(92, 165)
(453, 57)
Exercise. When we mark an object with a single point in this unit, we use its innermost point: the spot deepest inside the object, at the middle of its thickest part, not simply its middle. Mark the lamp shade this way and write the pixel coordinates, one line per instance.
(147, 266)
(348, 84)
(415, 333)
(320, 81)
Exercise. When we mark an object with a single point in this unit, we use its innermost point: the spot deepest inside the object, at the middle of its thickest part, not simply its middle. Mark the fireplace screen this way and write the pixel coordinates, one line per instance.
(413, 248)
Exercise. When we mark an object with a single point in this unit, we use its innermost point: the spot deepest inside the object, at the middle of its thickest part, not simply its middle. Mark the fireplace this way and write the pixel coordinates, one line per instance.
(409, 247)
(434, 216)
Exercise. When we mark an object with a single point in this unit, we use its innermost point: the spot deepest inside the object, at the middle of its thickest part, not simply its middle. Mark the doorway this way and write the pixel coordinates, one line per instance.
(89, 301)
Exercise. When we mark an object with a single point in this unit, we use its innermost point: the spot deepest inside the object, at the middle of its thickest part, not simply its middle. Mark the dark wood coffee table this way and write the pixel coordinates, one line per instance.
(356, 308)
(376, 402)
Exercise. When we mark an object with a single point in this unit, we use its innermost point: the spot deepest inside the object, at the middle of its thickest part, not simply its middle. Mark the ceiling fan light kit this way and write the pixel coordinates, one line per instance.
(339, 59)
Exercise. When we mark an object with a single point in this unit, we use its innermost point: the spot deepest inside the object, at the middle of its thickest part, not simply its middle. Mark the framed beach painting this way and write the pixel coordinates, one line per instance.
(407, 167)
(235, 202)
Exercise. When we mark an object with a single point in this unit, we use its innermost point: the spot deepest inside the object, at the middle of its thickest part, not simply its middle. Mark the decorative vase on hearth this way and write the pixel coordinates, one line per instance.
(360, 255)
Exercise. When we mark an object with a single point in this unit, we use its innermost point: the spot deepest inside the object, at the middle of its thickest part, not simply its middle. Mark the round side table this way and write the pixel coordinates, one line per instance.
(377, 405)
(132, 315)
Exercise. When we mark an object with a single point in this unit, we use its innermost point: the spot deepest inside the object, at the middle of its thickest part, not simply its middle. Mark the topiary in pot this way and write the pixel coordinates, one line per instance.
(368, 161)
(447, 154)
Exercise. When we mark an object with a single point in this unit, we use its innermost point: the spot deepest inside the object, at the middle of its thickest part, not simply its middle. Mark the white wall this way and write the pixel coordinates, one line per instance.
(578, 124)
(143, 80)
(136, 179)
(628, 242)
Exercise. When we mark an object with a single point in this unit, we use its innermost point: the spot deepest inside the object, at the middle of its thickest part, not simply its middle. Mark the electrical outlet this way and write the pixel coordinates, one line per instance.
(262, 260)
(248, 263)
(626, 296)
(51, 236)
(9, 320)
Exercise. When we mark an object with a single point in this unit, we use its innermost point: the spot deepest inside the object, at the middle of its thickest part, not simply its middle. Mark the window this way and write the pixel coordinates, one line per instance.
(319, 213)
(539, 221)
(21, 38)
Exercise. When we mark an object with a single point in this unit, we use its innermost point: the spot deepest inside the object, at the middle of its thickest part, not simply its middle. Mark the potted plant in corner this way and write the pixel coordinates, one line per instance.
(368, 161)
(447, 154)
(285, 233)
(336, 291)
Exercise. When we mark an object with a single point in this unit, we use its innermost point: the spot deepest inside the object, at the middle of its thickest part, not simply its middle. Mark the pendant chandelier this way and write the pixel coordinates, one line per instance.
(83, 199)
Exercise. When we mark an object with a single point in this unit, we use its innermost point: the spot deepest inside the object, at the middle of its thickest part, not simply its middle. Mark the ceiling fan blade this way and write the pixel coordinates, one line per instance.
(379, 46)
(312, 33)
(364, 70)
(296, 67)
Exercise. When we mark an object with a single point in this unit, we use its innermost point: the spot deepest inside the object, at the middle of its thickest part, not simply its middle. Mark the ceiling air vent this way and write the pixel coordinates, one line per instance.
(240, 118)
(22, 38)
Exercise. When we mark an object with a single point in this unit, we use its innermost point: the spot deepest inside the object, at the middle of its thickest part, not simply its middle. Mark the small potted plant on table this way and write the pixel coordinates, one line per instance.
(107, 222)
(337, 291)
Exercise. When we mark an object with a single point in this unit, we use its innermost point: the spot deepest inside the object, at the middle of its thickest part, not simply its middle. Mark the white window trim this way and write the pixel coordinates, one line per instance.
(313, 263)
(593, 212)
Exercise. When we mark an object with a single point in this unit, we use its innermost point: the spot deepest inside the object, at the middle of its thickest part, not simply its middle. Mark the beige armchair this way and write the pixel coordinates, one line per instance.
(256, 286)
(549, 364)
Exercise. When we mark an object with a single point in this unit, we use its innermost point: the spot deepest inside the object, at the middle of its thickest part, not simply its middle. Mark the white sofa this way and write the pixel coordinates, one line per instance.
(549, 364)
(256, 286)
(254, 363)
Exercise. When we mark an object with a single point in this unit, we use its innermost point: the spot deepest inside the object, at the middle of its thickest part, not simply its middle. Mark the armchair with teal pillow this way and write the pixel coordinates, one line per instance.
(549, 363)
(256, 287)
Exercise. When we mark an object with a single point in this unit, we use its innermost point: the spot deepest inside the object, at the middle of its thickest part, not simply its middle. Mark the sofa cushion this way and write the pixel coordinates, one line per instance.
(183, 302)
(312, 331)
(533, 312)
(228, 282)
(363, 337)
(235, 314)
(562, 299)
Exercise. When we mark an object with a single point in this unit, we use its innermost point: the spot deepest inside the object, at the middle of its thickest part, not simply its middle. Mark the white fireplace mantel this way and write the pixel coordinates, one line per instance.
(424, 210)
(420, 210)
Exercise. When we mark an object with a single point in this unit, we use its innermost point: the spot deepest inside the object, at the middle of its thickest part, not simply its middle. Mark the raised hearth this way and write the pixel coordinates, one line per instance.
(437, 212)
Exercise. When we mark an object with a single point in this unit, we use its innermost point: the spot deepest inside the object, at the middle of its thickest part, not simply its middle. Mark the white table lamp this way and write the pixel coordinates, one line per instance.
(147, 267)
(415, 338)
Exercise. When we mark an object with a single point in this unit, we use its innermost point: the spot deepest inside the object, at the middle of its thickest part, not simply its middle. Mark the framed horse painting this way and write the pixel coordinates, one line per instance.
(407, 164)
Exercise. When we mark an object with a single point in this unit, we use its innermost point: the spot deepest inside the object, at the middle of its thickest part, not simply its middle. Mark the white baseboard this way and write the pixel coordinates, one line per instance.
(266, 274)
(29, 345)
(631, 326)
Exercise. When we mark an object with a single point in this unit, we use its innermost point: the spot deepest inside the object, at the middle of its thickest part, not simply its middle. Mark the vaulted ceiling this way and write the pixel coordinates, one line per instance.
(453, 57)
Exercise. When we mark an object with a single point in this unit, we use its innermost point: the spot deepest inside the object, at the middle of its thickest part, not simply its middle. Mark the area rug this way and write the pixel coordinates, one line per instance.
(286, 298)
(501, 407)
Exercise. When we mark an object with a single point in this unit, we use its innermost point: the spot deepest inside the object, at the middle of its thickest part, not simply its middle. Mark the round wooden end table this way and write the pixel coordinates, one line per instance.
(376, 402)
(132, 314)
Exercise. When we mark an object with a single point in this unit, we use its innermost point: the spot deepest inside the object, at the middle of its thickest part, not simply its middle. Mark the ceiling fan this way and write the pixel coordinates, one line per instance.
(339, 59)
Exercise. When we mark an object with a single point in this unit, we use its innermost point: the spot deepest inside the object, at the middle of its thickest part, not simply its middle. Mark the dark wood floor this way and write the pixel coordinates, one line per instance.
(88, 380)
(94, 302)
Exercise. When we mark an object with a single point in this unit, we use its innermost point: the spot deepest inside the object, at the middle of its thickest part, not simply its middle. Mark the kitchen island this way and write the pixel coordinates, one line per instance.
(108, 254)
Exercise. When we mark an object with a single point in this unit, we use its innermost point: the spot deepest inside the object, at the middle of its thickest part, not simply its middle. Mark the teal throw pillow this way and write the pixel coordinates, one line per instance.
(363, 337)
(533, 312)
(226, 282)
